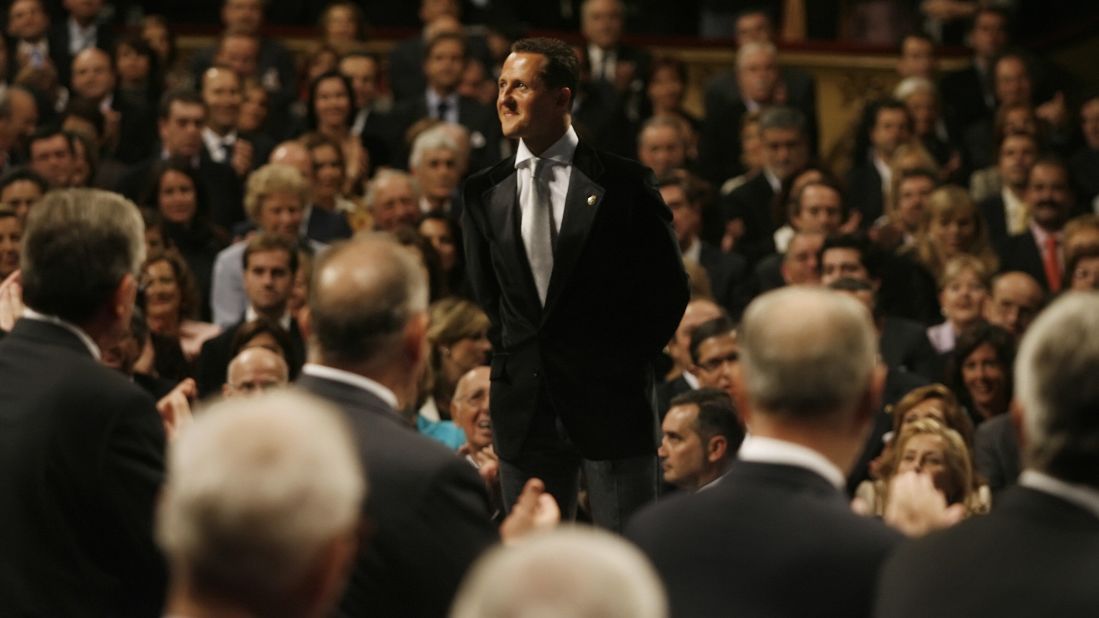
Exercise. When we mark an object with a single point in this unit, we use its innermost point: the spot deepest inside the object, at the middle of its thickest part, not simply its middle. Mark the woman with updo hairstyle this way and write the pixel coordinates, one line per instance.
(952, 226)
(458, 333)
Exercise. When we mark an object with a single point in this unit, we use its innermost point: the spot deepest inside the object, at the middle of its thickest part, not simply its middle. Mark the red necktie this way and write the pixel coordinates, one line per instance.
(1052, 266)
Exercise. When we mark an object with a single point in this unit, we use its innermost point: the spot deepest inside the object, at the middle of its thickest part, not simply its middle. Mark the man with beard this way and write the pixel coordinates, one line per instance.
(1038, 251)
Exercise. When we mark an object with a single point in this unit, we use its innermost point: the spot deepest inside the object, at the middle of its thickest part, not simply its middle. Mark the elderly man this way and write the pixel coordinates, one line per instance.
(260, 511)
(428, 508)
(809, 385)
(82, 446)
(701, 435)
(1006, 558)
(662, 144)
(1015, 301)
(253, 371)
(436, 164)
(393, 200)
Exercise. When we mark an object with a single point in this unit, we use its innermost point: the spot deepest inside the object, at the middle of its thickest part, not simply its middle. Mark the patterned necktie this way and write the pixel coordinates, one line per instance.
(537, 229)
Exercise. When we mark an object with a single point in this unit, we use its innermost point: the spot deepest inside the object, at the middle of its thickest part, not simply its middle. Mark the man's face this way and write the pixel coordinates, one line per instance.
(1012, 83)
(800, 264)
(469, 408)
(1016, 301)
(697, 312)
(27, 20)
(254, 371)
(243, 16)
(1086, 274)
(281, 214)
(268, 280)
(890, 129)
(363, 73)
(92, 76)
(438, 173)
(757, 76)
(785, 151)
(444, 65)
(662, 149)
(241, 54)
(24, 113)
(917, 58)
(682, 453)
(1048, 195)
(820, 210)
(601, 23)
(912, 195)
(717, 363)
(753, 28)
(181, 131)
(20, 196)
(989, 35)
(840, 262)
(525, 103)
(221, 92)
(1017, 155)
(395, 205)
(1089, 123)
(686, 219)
(53, 159)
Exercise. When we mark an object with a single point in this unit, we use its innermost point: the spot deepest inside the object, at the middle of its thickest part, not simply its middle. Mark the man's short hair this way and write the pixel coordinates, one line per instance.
(868, 256)
(806, 352)
(782, 117)
(707, 330)
(358, 322)
(435, 138)
(456, 37)
(1052, 160)
(385, 176)
(716, 416)
(1056, 386)
(20, 174)
(262, 242)
(255, 490)
(86, 110)
(752, 47)
(47, 132)
(77, 247)
(562, 69)
(571, 571)
(188, 97)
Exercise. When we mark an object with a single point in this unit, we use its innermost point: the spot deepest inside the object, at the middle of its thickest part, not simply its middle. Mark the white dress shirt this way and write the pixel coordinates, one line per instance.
(558, 164)
(433, 101)
(215, 142)
(251, 314)
(772, 451)
(80, 37)
(603, 63)
(88, 342)
(354, 379)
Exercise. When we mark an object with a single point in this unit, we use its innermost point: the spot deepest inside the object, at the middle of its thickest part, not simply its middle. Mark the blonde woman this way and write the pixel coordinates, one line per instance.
(963, 291)
(952, 226)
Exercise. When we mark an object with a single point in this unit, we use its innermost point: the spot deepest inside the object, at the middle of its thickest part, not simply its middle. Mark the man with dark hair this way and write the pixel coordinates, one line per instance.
(371, 125)
(51, 156)
(182, 116)
(445, 58)
(972, 95)
(82, 451)
(559, 238)
(270, 263)
(885, 125)
(1038, 251)
(714, 354)
(701, 437)
(20, 189)
(1011, 559)
(1006, 214)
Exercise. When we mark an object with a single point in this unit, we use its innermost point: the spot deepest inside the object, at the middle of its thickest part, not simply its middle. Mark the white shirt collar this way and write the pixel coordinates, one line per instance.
(354, 379)
(80, 37)
(1082, 496)
(561, 151)
(251, 314)
(884, 171)
(433, 100)
(772, 179)
(691, 380)
(770, 450)
(31, 314)
(694, 250)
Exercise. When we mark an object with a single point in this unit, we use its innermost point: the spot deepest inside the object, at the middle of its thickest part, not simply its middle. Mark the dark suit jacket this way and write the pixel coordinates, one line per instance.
(615, 297)
(224, 193)
(864, 192)
(996, 452)
(904, 345)
(767, 540)
(327, 226)
(751, 202)
(667, 391)
(728, 274)
(1033, 555)
(966, 102)
(216, 354)
(481, 120)
(427, 512)
(1020, 252)
(992, 209)
(81, 462)
(599, 117)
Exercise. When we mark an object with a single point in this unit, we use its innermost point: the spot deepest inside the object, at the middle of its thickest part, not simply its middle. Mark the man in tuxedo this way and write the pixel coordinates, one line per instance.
(779, 521)
(1007, 213)
(570, 252)
(1035, 553)
(82, 451)
(1038, 251)
(428, 510)
(182, 115)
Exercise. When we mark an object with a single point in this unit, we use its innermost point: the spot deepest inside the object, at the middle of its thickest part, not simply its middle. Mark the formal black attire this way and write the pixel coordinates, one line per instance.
(327, 226)
(752, 203)
(220, 184)
(427, 511)
(1035, 554)
(581, 365)
(728, 274)
(1021, 252)
(767, 540)
(59, 40)
(992, 210)
(81, 463)
(864, 192)
(904, 345)
(216, 354)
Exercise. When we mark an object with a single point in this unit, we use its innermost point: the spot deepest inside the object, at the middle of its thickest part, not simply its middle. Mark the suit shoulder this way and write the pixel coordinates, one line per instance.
(481, 180)
(622, 167)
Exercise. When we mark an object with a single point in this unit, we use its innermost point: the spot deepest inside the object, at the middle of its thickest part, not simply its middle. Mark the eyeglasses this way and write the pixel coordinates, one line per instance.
(714, 364)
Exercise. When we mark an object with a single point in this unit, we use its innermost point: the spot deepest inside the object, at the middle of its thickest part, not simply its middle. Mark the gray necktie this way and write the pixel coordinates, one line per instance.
(537, 228)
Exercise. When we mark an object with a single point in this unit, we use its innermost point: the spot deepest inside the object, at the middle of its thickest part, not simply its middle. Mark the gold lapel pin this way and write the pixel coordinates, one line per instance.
(591, 200)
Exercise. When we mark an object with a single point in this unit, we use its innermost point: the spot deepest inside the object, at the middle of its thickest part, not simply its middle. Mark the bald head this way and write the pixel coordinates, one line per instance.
(806, 352)
(368, 304)
(255, 370)
(469, 407)
(92, 74)
(1016, 300)
(294, 154)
